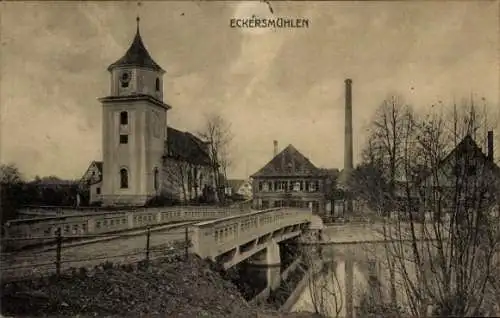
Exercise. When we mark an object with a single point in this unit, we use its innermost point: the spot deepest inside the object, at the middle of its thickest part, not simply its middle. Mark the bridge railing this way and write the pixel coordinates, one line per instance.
(218, 236)
(100, 223)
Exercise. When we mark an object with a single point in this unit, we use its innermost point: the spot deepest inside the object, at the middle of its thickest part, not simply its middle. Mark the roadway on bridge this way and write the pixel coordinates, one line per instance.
(123, 248)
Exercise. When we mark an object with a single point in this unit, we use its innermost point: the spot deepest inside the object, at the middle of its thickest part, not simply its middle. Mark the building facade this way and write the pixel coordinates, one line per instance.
(143, 157)
(291, 180)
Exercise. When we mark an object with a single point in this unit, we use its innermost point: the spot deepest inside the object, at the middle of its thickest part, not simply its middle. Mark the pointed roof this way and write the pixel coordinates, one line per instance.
(466, 147)
(289, 162)
(137, 55)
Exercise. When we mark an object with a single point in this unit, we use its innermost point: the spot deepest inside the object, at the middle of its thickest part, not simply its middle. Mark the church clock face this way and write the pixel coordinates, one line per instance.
(125, 78)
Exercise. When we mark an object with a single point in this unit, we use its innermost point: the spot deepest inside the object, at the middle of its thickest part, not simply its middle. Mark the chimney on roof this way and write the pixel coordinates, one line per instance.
(275, 151)
(490, 145)
(348, 164)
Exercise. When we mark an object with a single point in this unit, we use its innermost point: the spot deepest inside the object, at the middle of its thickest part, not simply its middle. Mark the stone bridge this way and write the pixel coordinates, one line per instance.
(254, 238)
(255, 235)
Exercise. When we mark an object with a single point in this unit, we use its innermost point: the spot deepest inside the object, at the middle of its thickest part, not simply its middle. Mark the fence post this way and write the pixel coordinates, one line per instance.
(58, 251)
(148, 236)
(186, 242)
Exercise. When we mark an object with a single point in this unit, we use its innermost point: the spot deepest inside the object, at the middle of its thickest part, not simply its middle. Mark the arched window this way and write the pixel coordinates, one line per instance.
(155, 179)
(123, 118)
(123, 178)
(157, 84)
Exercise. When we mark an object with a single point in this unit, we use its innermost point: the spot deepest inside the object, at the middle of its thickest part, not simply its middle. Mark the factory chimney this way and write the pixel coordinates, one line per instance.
(348, 164)
(275, 151)
(348, 160)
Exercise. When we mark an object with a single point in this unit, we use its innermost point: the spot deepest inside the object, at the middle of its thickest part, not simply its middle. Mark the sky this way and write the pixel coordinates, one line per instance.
(270, 84)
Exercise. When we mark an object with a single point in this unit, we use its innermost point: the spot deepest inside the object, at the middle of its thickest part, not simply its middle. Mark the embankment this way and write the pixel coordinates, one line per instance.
(173, 288)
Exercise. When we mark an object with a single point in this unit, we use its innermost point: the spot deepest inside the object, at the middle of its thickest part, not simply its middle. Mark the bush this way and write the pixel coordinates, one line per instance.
(372, 309)
(162, 200)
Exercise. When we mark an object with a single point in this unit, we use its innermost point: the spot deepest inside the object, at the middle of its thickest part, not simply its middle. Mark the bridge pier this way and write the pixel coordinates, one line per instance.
(268, 264)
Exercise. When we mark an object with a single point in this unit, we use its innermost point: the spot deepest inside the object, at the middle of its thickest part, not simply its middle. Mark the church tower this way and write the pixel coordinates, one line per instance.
(134, 119)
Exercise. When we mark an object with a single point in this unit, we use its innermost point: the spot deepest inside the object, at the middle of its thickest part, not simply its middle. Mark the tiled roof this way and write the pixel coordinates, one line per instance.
(137, 55)
(289, 162)
(186, 147)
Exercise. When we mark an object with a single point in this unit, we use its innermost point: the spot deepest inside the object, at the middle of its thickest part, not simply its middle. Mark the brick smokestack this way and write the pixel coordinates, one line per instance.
(490, 145)
(348, 160)
(275, 151)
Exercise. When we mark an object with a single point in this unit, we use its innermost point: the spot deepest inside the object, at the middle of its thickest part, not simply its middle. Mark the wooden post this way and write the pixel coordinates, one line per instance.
(148, 237)
(58, 251)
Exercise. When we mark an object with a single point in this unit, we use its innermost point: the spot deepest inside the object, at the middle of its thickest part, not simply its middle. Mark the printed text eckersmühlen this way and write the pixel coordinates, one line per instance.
(255, 22)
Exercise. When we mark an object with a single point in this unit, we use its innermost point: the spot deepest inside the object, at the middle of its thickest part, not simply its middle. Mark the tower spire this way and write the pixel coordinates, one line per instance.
(138, 18)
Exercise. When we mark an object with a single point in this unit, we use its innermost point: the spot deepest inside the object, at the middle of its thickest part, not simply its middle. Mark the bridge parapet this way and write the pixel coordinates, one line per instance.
(109, 221)
(215, 237)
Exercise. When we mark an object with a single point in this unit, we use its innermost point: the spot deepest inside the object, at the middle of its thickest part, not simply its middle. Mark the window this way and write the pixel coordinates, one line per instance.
(155, 178)
(123, 178)
(279, 186)
(123, 118)
(98, 190)
(265, 204)
(123, 139)
(296, 186)
(265, 187)
(157, 84)
(312, 186)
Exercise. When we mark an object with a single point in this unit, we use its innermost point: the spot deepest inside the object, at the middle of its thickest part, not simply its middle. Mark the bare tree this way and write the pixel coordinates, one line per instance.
(217, 132)
(392, 125)
(175, 173)
(443, 235)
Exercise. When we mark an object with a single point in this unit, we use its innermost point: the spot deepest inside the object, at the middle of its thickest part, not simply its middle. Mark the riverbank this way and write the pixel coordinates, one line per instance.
(175, 288)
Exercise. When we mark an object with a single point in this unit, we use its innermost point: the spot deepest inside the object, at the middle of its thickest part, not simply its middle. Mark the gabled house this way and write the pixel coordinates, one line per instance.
(466, 174)
(292, 180)
(91, 181)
